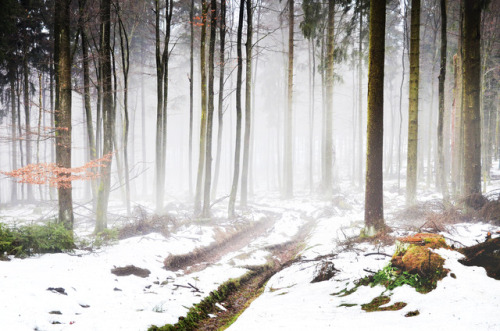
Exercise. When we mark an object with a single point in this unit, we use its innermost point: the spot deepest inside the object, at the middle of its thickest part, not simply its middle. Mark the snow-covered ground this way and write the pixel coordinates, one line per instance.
(96, 299)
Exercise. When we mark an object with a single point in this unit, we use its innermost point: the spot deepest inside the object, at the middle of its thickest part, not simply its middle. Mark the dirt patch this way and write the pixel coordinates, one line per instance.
(131, 270)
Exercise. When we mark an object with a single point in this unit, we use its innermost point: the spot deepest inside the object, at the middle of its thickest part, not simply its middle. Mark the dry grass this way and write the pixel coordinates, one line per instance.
(143, 224)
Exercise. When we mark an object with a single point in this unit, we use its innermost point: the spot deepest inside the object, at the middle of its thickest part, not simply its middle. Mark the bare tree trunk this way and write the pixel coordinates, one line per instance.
(288, 139)
(191, 91)
(220, 112)
(442, 185)
(12, 78)
(411, 177)
(125, 47)
(471, 75)
(63, 111)
(374, 204)
(237, 150)
(360, 101)
(248, 108)
(328, 174)
(203, 125)
(86, 94)
(27, 116)
(108, 117)
(210, 114)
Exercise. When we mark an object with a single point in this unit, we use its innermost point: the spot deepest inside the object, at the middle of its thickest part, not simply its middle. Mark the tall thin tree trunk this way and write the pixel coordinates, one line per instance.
(86, 94)
(442, 185)
(328, 174)
(411, 176)
(220, 109)
(288, 139)
(125, 47)
(191, 91)
(210, 114)
(12, 78)
(203, 125)
(63, 111)
(108, 117)
(248, 108)
(237, 149)
(360, 101)
(27, 117)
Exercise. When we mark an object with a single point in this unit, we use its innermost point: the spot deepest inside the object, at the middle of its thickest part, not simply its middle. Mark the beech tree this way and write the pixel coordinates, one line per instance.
(63, 107)
(411, 175)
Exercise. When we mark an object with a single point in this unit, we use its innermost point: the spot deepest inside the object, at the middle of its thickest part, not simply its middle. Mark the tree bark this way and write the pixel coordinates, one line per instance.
(374, 204)
(237, 149)
(288, 139)
(220, 109)
(248, 108)
(108, 117)
(63, 111)
(191, 92)
(442, 185)
(471, 108)
(328, 157)
(210, 113)
(411, 177)
(203, 125)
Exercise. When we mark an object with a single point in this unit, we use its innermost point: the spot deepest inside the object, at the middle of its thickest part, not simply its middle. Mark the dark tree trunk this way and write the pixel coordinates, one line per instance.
(442, 185)
(191, 91)
(108, 117)
(374, 203)
(63, 111)
(237, 149)
(472, 84)
(248, 108)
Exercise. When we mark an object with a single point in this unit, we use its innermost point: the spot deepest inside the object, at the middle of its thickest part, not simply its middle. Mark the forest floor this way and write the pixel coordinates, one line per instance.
(303, 239)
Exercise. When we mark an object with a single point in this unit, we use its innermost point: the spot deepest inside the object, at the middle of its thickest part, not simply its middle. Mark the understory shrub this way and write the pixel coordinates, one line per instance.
(26, 240)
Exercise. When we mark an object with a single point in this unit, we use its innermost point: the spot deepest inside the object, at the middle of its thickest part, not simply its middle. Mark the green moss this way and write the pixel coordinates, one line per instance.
(200, 311)
(348, 304)
(375, 304)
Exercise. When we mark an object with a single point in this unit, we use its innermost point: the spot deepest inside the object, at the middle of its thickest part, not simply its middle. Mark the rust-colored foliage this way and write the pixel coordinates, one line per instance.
(43, 173)
(429, 240)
